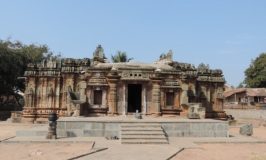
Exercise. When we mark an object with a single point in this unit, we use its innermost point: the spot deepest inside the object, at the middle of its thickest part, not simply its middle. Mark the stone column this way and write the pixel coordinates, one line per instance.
(177, 100)
(104, 98)
(57, 92)
(112, 97)
(183, 93)
(124, 99)
(44, 97)
(144, 109)
(156, 96)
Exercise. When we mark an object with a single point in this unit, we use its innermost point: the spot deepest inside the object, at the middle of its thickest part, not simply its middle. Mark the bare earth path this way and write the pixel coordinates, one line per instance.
(42, 151)
(229, 151)
(36, 151)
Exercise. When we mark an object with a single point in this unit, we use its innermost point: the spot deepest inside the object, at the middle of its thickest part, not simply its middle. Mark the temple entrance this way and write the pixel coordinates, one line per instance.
(134, 97)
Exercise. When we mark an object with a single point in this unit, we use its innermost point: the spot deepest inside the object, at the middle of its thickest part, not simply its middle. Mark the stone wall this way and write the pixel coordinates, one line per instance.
(183, 128)
(247, 113)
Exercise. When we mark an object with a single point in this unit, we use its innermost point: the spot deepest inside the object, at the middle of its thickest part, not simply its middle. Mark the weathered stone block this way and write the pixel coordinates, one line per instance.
(221, 127)
(111, 133)
(75, 125)
(97, 125)
(193, 116)
(93, 133)
(246, 130)
(195, 111)
(74, 133)
(112, 126)
(61, 125)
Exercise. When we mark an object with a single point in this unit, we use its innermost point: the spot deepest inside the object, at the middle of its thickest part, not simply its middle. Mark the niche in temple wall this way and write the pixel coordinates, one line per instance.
(50, 98)
(30, 97)
(191, 94)
(81, 88)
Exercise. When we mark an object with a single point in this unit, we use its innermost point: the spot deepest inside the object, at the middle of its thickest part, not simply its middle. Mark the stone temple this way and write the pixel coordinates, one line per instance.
(96, 87)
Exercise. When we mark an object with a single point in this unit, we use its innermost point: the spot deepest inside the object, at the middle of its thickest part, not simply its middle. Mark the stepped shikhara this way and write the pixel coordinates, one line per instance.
(98, 87)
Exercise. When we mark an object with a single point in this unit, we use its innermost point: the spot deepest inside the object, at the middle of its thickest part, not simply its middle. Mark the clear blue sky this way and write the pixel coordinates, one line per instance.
(225, 34)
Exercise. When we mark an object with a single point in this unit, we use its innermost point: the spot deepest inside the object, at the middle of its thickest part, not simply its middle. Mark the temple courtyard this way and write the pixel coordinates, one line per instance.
(13, 145)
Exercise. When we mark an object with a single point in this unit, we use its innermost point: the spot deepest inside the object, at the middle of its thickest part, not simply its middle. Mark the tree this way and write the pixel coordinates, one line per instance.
(14, 57)
(256, 73)
(120, 57)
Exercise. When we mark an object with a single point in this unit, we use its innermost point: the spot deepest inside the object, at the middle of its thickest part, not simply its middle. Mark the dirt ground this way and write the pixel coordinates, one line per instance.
(9, 129)
(37, 151)
(42, 151)
(230, 151)
(207, 151)
(225, 152)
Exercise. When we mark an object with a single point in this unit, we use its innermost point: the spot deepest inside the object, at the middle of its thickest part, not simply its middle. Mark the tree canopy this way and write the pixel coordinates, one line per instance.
(256, 73)
(120, 57)
(14, 57)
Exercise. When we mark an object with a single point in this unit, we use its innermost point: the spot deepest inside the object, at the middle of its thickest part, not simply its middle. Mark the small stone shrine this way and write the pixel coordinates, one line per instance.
(103, 88)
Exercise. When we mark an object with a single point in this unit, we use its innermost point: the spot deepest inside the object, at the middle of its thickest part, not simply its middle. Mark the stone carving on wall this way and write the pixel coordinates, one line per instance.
(170, 83)
(219, 93)
(168, 56)
(210, 79)
(98, 79)
(183, 66)
(30, 97)
(134, 75)
(70, 65)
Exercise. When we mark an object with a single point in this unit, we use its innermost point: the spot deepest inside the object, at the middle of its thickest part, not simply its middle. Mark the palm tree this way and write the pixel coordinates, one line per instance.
(120, 57)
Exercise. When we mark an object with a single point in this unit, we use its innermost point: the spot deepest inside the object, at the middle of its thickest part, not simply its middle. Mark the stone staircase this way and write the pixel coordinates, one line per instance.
(142, 133)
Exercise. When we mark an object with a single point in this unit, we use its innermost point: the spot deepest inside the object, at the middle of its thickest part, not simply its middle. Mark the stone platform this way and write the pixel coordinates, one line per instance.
(111, 126)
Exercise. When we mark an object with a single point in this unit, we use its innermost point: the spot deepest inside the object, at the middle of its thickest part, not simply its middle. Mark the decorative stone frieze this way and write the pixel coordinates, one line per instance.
(135, 75)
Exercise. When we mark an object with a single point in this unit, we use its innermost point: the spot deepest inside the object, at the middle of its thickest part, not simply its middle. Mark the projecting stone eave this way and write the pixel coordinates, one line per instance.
(134, 66)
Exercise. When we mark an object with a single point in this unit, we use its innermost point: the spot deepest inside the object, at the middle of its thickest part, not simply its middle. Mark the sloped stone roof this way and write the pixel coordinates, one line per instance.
(136, 65)
(252, 92)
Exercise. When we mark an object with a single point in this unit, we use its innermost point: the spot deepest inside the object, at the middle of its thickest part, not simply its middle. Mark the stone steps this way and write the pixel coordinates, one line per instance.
(166, 111)
(141, 136)
(144, 141)
(141, 129)
(142, 133)
(140, 125)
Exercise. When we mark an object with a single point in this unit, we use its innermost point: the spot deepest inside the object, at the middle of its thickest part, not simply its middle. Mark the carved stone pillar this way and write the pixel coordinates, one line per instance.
(57, 92)
(44, 97)
(156, 96)
(144, 100)
(112, 96)
(177, 100)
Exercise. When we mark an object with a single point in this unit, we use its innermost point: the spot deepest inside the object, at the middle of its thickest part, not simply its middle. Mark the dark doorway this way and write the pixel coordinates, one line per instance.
(134, 97)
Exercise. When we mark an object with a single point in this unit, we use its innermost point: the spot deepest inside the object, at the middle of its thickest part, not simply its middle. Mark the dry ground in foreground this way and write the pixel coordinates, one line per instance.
(37, 151)
(225, 152)
(58, 151)
(230, 151)
(42, 151)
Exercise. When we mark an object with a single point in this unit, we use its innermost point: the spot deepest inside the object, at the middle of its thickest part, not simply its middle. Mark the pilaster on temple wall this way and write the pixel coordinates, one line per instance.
(68, 84)
(184, 97)
(112, 96)
(156, 96)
